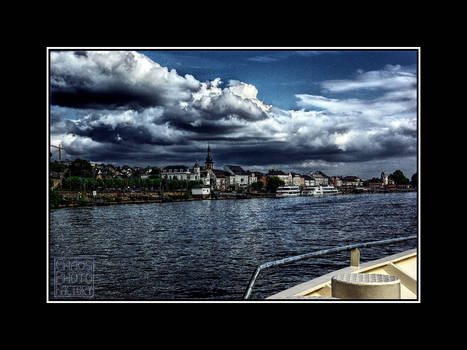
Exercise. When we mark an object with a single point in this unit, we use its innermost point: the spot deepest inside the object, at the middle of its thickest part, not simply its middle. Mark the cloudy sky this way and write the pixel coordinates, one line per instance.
(344, 112)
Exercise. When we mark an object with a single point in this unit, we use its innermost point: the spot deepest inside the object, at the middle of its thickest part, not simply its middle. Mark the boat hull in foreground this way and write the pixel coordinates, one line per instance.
(402, 265)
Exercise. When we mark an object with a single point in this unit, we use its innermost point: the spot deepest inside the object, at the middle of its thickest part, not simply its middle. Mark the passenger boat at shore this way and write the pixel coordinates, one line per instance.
(393, 277)
(319, 191)
(288, 191)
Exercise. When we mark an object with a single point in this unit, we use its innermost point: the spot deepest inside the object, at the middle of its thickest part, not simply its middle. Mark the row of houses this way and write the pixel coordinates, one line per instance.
(103, 171)
(234, 177)
(230, 177)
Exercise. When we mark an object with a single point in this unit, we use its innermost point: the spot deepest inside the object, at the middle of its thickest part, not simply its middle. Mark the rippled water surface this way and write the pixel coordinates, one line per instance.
(209, 249)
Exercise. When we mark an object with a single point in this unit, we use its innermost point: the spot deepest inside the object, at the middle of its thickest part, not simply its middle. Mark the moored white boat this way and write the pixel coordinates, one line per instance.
(288, 191)
(319, 191)
(307, 191)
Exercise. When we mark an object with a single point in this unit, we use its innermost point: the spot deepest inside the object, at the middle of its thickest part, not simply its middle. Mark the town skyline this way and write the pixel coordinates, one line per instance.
(199, 163)
(341, 112)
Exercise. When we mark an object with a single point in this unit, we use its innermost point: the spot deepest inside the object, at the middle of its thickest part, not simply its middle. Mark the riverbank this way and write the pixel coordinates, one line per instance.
(80, 199)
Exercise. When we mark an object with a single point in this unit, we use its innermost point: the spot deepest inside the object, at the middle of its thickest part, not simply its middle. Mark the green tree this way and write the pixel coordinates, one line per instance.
(155, 173)
(108, 183)
(155, 183)
(55, 199)
(114, 183)
(273, 182)
(257, 186)
(192, 184)
(100, 183)
(72, 183)
(175, 184)
(414, 180)
(119, 183)
(91, 184)
(135, 182)
(81, 167)
(58, 167)
(399, 178)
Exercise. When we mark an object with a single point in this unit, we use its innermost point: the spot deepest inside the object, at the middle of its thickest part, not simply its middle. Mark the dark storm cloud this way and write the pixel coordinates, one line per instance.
(115, 79)
(128, 127)
(264, 153)
(116, 153)
(151, 126)
(124, 134)
(226, 139)
(122, 81)
(80, 53)
(272, 153)
(203, 129)
(111, 97)
(398, 142)
(118, 134)
(209, 120)
(141, 112)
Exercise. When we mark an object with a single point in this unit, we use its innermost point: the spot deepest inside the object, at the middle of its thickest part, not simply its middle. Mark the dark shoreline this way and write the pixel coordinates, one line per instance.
(119, 199)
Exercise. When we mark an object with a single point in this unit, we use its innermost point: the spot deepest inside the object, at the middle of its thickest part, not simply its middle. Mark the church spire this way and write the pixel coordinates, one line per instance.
(209, 164)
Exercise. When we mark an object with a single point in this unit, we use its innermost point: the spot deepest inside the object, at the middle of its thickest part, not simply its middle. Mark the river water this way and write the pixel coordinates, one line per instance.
(207, 250)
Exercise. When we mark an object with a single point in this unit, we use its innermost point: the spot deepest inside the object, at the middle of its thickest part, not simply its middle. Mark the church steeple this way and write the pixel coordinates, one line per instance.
(209, 164)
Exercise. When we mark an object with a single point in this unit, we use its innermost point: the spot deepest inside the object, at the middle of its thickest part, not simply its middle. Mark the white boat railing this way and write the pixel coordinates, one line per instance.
(354, 258)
